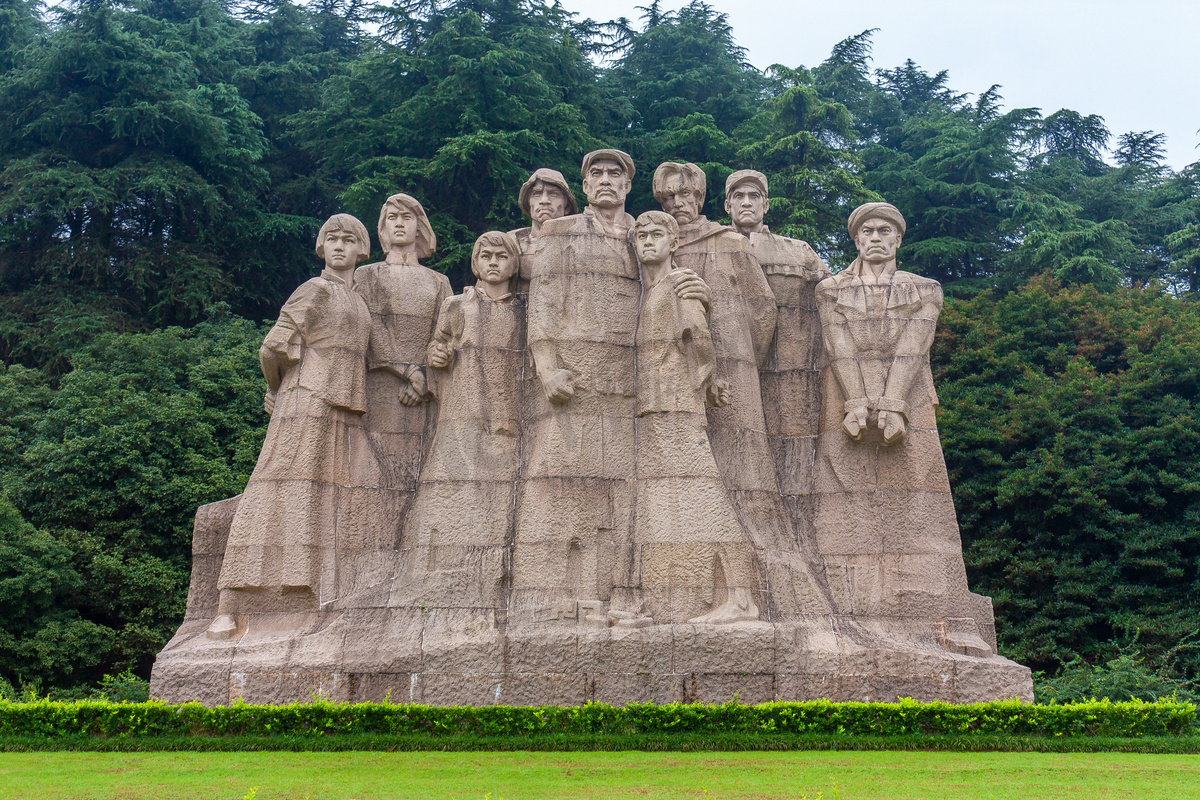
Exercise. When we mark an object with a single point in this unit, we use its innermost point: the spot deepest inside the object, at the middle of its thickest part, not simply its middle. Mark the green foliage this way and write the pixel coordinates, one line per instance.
(123, 688)
(106, 470)
(1126, 677)
(44, 718)
(1069, 423)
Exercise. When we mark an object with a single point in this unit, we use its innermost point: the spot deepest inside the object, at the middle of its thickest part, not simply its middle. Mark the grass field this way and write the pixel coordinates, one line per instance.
(575, 776)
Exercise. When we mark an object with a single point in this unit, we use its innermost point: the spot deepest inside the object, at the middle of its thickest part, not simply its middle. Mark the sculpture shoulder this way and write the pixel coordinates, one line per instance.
(313, 290)
(575, 223)
(771, 248)
(919, 280)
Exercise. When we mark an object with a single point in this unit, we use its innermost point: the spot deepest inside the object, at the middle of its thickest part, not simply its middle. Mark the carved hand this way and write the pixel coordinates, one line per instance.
(690, 286)
(893, 426)
(558, 386)
(440, 355)
(409, 396)
(269, 403)
(855, 423)
(719, 394)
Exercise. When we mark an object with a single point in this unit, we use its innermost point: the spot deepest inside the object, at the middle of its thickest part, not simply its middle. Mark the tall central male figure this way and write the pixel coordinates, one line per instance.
(573, 550)
(743, 325)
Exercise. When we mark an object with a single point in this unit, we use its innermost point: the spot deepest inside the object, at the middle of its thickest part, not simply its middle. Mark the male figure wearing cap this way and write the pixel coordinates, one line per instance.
(884, 519)
(791, 374)
(743, 324)
(575, 502)
(543, 197)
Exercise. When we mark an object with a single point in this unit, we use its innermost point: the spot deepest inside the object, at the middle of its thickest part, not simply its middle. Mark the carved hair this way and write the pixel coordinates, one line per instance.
(690, 174)
(345, 222)
(657, 218)
(497, 239)
(426, 240)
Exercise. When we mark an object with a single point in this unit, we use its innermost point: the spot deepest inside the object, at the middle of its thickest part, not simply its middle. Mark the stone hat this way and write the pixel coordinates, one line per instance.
(552, 177)
(875, 210)
(744, 175)
(619, 156)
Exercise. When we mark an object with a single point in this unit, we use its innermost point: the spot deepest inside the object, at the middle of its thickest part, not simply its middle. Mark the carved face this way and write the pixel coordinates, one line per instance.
(402, 226)
(606, 183)
(546, 202)
(746, 205)
(877, 240)
(655, 243)
(681, 200)
(494, 265)
(341, 250)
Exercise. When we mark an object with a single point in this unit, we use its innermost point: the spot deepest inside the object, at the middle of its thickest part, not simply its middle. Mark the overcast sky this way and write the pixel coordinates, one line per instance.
(1135, 63)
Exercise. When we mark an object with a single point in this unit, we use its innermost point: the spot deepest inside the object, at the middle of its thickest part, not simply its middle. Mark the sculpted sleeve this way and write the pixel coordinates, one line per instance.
(283, 344)
(843, 355)
(759, 299)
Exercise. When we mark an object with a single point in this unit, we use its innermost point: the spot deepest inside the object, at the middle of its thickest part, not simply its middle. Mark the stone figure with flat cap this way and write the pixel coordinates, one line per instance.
(790, 375)
(575, 504)
(546, 195)
(884, 518)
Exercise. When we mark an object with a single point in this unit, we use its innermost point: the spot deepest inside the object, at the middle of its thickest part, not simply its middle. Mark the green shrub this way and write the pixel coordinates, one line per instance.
(49, 719)
(1127, 677)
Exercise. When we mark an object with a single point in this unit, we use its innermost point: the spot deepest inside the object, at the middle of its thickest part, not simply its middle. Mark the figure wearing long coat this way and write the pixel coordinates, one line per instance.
(457, 533)
(743, 324)
(308, 499)
(791, 375)
(884, 521)
(574, 507)
(694, 553)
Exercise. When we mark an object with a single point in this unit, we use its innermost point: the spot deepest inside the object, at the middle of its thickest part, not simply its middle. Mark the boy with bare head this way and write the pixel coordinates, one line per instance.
(696, 561)
(461, 516)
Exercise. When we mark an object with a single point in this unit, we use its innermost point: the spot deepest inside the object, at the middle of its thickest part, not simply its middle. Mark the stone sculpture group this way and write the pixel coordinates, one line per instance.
(653, 459)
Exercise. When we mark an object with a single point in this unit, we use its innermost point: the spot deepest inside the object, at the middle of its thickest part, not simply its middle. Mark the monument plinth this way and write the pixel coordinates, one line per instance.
(662, 460)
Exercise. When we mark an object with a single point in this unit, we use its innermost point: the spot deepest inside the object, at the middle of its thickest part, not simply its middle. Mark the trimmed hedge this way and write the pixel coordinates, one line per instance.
(49, 719)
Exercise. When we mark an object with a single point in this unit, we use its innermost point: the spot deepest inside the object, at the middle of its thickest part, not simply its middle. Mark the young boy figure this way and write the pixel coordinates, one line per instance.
(454, 539)
(697, 562)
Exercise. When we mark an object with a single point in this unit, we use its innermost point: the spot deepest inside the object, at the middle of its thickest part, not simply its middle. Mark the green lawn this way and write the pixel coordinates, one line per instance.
(567, 776)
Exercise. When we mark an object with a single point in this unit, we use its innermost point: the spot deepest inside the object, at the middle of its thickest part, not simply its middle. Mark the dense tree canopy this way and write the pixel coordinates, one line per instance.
(164, 165)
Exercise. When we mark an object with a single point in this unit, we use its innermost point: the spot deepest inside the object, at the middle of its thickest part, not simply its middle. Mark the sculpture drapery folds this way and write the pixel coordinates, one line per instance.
(662, 459)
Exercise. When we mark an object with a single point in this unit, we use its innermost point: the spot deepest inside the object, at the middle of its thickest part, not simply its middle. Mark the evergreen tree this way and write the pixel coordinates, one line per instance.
(459, 119)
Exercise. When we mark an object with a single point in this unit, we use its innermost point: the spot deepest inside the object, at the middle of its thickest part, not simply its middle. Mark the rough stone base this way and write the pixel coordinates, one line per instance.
(460, 658)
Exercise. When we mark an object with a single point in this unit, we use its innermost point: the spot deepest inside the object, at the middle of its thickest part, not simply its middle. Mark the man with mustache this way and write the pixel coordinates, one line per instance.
(743, 324)
(573, 550)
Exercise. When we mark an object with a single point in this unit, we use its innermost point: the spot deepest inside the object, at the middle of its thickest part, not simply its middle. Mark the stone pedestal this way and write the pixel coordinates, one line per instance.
(364, 651)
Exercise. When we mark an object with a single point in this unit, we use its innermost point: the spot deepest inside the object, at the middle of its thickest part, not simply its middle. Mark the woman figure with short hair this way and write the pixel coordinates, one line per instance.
(304, 498)
(455, 540)
(404, 298)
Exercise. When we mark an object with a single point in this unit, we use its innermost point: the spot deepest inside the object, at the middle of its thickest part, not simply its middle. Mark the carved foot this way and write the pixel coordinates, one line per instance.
(738, 608)
(223, 627)
(961, 635)
(629, 619)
